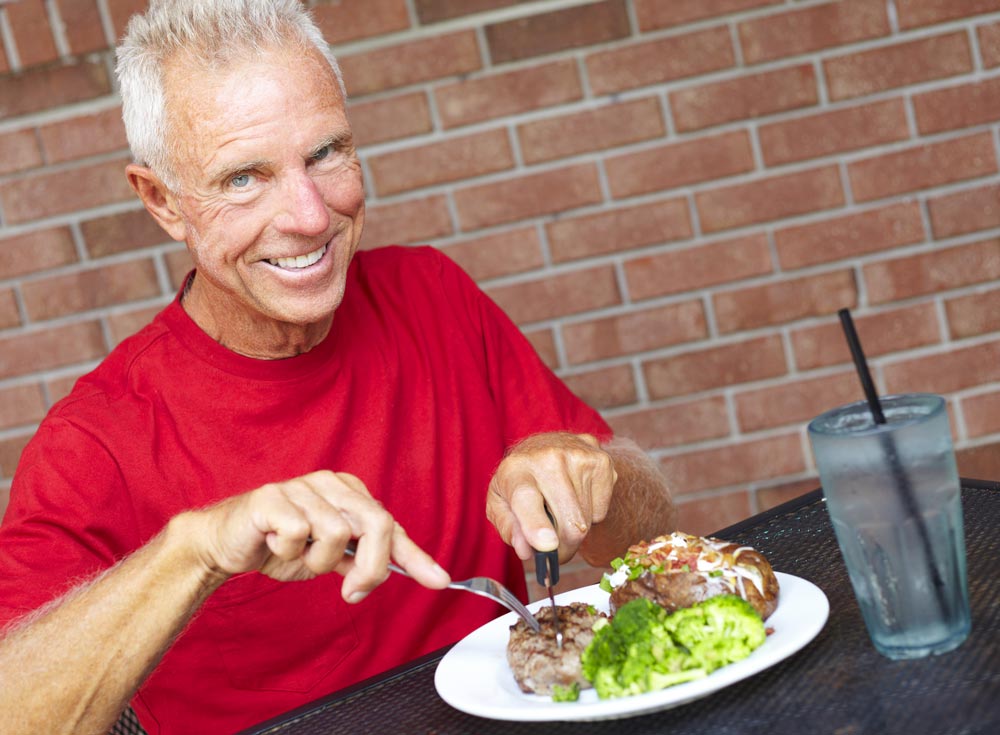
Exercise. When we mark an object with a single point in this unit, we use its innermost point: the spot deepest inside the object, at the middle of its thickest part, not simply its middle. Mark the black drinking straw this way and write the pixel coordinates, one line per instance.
(889, 447)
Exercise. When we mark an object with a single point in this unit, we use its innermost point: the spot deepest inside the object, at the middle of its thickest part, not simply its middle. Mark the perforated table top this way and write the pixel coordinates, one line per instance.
(837, 684)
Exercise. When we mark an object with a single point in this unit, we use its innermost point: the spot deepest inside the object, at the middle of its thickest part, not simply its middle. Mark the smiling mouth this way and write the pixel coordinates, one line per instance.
(300, 261)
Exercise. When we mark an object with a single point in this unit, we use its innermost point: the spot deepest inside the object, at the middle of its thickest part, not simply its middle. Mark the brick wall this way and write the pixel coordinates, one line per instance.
(671, 197)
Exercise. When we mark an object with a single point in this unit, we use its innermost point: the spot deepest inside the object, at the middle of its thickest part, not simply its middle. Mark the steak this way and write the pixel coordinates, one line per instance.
(535, 659)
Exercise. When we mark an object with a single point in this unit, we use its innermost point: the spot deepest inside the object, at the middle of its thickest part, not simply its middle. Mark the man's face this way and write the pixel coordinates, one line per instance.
(270, 191)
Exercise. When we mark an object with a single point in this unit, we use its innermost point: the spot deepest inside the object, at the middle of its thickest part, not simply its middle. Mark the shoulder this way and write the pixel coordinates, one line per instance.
(409, 267)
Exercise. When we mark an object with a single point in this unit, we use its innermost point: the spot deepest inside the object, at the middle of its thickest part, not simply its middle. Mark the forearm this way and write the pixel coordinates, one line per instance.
(641, 505)
(72, 667)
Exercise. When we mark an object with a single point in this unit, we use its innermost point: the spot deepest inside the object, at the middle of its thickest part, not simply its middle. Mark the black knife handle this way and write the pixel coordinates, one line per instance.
(547, 562)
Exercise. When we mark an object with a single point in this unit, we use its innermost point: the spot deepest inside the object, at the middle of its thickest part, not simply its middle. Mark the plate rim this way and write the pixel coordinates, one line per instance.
(543, 710)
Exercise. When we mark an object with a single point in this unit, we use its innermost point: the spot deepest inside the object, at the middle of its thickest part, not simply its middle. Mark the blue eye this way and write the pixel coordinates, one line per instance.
(322, 153)
(240, 181)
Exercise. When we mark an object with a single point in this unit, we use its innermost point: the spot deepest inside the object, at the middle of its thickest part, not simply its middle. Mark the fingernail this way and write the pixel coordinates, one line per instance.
(356, 597)
(548, 537)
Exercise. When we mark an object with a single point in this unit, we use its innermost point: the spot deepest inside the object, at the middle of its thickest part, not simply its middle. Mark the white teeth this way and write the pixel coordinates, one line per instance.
(301, 261)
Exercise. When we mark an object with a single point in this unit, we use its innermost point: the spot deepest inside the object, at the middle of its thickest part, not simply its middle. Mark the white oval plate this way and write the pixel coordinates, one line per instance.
(474, 676)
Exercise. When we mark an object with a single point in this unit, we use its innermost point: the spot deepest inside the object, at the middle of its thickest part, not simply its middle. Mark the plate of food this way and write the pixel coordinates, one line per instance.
(505, 671)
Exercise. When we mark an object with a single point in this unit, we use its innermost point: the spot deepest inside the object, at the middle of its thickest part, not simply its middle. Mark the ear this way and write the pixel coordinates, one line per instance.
(159, 200)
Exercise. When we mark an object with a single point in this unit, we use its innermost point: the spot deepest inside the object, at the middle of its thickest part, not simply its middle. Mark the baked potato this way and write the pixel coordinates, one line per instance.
(679, 570)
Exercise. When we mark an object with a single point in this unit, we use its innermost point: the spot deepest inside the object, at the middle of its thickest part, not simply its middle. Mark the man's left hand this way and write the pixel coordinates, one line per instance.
(570, 473)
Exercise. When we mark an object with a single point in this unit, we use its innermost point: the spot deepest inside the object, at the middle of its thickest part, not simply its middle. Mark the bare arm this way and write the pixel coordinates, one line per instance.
(603, 498)
(72, 667)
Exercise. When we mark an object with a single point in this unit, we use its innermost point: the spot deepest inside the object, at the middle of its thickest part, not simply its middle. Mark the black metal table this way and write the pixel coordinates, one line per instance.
(838, 684)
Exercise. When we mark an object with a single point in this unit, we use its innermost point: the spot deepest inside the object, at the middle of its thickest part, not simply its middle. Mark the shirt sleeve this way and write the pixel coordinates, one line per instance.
(67, 520)
(530, 397)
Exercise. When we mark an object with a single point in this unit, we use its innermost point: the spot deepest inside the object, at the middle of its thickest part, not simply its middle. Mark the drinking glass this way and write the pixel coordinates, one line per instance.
(893, 494)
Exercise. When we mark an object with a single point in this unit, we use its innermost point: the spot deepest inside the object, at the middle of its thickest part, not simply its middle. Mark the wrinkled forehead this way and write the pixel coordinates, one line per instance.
(268, 92)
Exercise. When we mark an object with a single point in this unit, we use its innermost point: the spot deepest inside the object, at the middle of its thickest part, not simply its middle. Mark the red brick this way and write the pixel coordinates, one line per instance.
(558, 295)
(923, 167)
(4, 486)
(349, 20)
(982, 462)
(734, 464)
(635, 331)
(29, 24)
(413, 221)
(881, 333)
(402, 116)
(965, 211)
(784, 301)
(826, 133)
(771, 497)
(60, 387)
(688, 269)
(528, 196)
(661, 60)
(605, 388)
(812, 29)
(36, 251)
(433, 11)
(932, 272)
(121, 233)
(4, 68)
(656, 14)
(52, 86)
(617, 230)
(58, 296)
(20, 405)
(125, 324)
(946, 372)
(795, 402)
(19, 151)
(705, 516)
(48, 349)
(769, 199)
(962, 106)
(680, 164)
(499, 254)
(79, 137)
(82, 22)
(849, 236)
(716, 367)
(675, 424)
(591, 130)
(412, 62)
(989, 44)
(9, 314)
(10, 453)
(746, 96)
(453, 159)
(546, 33)
(544, 342)
(982, 414)
(500, 95)
(974, 314)
(179, 264)
(49, 194)
(898, 65)
(914, 13)
(121, 10)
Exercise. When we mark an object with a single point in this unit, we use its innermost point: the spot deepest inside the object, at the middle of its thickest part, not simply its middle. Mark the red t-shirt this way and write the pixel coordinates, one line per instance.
(418, 389)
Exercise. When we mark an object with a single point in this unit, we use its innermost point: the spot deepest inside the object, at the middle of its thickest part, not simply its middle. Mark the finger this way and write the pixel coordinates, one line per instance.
(528, 507)
(329, 532)
(418, 563)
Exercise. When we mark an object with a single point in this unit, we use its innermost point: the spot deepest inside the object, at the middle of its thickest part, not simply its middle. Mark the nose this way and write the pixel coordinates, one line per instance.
(303, 210)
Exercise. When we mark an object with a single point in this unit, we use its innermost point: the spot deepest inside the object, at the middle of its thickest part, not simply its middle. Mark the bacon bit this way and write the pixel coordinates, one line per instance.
(768, 631)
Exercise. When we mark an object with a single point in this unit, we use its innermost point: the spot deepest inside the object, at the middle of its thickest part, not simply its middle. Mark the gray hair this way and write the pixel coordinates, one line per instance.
(213, 33)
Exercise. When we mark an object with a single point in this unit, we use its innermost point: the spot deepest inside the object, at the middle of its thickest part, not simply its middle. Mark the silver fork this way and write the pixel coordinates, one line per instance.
(484, 586)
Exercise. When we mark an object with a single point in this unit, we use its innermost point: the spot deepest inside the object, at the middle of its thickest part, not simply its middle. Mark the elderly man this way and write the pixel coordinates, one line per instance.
(172, 524)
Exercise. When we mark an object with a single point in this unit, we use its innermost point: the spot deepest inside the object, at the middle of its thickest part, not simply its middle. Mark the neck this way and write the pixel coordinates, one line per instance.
(250, 335)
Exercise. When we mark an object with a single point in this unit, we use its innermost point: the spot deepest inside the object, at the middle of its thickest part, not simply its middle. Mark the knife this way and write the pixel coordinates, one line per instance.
(547, 575)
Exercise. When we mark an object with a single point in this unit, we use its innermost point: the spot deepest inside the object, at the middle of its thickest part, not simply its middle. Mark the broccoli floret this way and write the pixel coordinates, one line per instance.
(565, 694)
(644, 648)
(635, 653)
(718, 631)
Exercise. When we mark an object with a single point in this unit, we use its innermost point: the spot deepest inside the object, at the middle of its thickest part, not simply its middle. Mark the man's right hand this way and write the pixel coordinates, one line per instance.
(298, 529)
